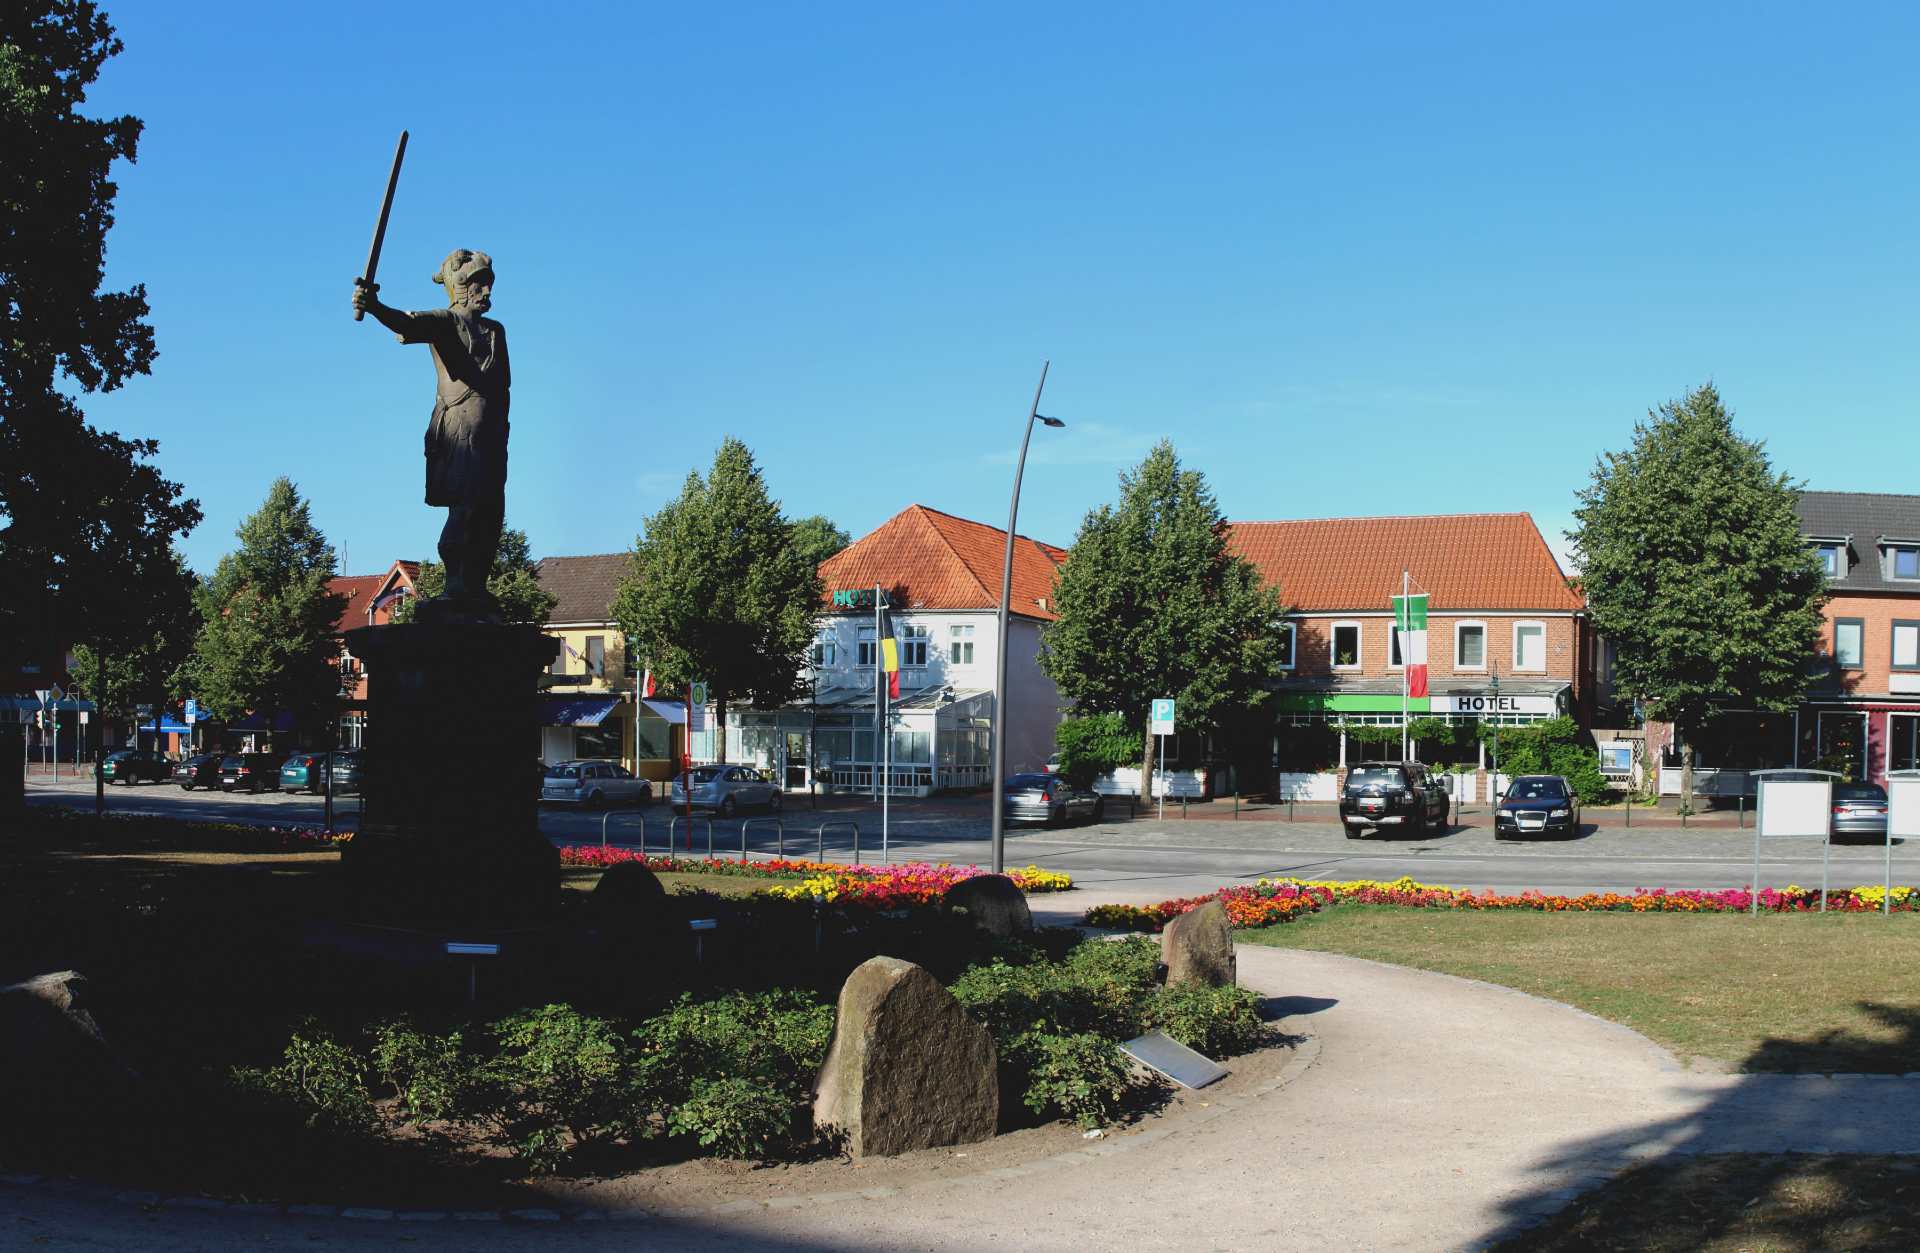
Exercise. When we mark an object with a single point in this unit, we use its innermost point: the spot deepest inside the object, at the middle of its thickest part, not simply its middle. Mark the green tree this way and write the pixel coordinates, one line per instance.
(719, 591)
(83, 516)
(1153, 603)
(268, 617)
(514, 582)
(1694, 566)
(818, 538)
(147, 664)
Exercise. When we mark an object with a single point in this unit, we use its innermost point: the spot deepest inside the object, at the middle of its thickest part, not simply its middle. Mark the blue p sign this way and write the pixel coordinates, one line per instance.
(1163, 716)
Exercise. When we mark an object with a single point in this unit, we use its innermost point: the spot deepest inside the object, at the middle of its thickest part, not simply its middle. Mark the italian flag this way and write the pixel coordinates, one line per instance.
(1410, 615)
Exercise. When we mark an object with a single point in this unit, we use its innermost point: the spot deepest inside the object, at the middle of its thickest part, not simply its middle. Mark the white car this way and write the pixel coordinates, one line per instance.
(728, 789)
(594, 783)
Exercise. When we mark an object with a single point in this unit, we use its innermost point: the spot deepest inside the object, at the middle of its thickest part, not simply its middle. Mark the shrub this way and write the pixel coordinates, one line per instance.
(1218, 1022)
(1094, 744)
(737, 1116)
(1079, 1076)
(322, 1079)
(734, 1072)
(430, 1076)
(559, 1080)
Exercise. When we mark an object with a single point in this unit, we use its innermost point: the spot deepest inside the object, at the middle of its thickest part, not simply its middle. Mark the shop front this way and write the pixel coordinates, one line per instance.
(940, 742)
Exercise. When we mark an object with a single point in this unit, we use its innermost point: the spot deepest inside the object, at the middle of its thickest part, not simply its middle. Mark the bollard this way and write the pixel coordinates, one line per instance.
(1236, 805)
(1741, 821)
(1289, 806)
(1183, 808)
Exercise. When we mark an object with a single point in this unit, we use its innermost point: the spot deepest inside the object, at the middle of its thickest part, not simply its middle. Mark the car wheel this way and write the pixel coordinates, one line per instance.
(595, 800)
(774, 802)
(186, 787)
(256, 789)
(727, 807)
(1099, 811)
(1353, 832)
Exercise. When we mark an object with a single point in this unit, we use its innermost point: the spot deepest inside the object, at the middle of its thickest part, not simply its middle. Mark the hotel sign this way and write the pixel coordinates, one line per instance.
(857, 598)
(1484, 705)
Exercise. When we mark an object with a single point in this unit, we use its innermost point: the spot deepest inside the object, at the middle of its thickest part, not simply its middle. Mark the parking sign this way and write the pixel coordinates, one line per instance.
(1163, 716)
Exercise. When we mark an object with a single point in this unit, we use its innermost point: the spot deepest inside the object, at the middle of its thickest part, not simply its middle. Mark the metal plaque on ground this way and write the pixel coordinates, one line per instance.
(1159, 1051)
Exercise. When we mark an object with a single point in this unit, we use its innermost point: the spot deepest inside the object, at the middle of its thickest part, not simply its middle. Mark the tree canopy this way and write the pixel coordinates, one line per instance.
(1152, 603)
(1694, 566)
(267, 619)
(514, 582)
(719, 591)
(146, 664)
(84, 513)
(818, 538)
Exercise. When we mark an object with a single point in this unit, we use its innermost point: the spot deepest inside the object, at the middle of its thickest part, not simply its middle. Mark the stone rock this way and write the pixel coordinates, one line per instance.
(995, 904)
(1197, 947)
(628, 898)
(908, 1067)
(52, 1050)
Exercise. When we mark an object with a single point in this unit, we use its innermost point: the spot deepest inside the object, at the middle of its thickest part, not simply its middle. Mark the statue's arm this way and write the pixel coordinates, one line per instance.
(408, 326)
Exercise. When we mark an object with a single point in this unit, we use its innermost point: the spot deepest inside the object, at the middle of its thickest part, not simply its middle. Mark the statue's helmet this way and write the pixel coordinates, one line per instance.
(460, 266)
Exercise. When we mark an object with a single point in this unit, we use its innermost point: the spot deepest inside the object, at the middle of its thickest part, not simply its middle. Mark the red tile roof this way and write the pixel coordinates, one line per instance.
(360, 590)
(933, 560)
(585, 586)
(1465, 561)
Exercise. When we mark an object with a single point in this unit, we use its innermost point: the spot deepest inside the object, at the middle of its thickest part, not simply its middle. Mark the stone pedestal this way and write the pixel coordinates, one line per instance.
(451, 832)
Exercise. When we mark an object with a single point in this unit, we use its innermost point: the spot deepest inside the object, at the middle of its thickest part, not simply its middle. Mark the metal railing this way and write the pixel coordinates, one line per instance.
(821, 854)
(611, 814)
(779, 831)
(673, 829)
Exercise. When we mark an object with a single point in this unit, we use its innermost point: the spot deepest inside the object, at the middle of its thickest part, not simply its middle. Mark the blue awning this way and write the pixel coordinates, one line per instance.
(282, 721)
(577, 711)
(672, 710)
(169, 725)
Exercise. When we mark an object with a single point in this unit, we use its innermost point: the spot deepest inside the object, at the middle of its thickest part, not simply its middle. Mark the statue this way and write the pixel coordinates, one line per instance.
(466, 441)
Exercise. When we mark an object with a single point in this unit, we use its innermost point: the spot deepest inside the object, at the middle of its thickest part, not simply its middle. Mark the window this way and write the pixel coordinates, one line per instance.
(1848, 634)
(1529, 646)
(960, 645)
(1906, 644)
(1905, 562)
(913, 645)
(1346, 646)
(1394, 661)
(866, 646)
(559, 665)
(1470, 646)
(597, 655)
(825, 652)
(1833, 559)
(1285, 634)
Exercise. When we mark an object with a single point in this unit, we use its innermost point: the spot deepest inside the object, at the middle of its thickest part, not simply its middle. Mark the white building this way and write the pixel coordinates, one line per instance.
(941, 577)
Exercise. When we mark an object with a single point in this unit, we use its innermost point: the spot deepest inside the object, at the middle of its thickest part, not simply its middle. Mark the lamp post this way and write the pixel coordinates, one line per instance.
(999, 781)
(1493, 689)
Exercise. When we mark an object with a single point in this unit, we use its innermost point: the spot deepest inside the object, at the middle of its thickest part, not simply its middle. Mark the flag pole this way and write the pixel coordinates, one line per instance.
(886, 752)
(1404, 619)
(879, 689)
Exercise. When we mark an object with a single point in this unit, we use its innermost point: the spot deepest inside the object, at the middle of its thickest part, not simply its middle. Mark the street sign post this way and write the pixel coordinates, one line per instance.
(1161, 717)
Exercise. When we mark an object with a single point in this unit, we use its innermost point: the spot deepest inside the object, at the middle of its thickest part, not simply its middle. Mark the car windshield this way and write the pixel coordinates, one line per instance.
(563, 772)
(1026, 782)
(1536, 790)
(706, 774)
(1859, 792)
(1367, 776)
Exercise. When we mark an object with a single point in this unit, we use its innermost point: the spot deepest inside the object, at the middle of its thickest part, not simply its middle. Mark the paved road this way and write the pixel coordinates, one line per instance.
(1147, 859)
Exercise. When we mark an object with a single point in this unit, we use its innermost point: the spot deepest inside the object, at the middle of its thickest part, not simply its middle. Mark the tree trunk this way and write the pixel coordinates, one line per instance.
(719, 727)
(1146, 771)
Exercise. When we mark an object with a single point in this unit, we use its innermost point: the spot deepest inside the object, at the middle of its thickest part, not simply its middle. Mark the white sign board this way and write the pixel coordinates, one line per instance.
(1791, 808)
(1482, 704)
(1903, 806)
(1162, 717)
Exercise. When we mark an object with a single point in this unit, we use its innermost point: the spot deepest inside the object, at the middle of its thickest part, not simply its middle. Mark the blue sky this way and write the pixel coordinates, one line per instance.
(1351, 259)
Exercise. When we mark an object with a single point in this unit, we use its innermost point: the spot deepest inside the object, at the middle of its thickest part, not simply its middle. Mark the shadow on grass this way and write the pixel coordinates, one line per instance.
(1798, 1151)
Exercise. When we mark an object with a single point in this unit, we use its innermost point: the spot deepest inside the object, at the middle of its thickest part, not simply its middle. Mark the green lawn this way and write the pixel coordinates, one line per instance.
(1793, 992)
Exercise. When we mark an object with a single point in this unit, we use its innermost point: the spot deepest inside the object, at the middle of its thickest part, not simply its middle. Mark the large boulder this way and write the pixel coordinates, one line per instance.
(52, 1050)
(1197, 947)
(994, 902)
(908, 1067)
(629, 899)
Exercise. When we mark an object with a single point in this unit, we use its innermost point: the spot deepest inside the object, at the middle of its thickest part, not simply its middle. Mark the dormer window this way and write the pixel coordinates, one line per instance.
(1903, 561)
(1833, 559)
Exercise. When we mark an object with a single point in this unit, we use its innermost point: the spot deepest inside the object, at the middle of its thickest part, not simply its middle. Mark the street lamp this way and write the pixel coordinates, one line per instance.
(1000, 637)
(1493, 689)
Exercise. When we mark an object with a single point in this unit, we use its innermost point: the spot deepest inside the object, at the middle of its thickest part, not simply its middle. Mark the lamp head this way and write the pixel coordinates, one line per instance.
(1049, 421)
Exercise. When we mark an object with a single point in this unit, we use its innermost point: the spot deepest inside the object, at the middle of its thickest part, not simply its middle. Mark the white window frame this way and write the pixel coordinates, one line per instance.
(1292, 632)
(1833, 558)
(914, 636)
(1463, 625)
(867, 651)
(960, 644)
(1893, 562)
(1393, 647)
(1359, 644)
(826, 650)
(1518, 626)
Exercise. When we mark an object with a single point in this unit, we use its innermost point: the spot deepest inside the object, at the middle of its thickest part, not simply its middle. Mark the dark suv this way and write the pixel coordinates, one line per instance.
(250, 772)
(134, 765)
(1401, 794)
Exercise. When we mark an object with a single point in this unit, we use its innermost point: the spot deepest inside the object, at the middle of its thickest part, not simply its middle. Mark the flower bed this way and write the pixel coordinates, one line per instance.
(186, 835)
(1283, 900)
(879, 887)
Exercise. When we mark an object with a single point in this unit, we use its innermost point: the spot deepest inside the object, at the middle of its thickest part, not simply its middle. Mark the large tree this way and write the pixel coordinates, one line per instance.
(83, 515)
(1152, 603)
(818, 538)
(720, 593)
(268, 617)
(1694, 565)
(147, 663)
(514, 583)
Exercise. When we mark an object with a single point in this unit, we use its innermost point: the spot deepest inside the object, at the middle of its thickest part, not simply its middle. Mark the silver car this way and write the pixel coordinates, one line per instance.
(594, 783)
(727, 789)
(1052, 799)
(1859, 812)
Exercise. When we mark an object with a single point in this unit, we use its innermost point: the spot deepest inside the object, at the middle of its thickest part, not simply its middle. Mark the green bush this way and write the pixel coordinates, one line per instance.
(1080, 1076)
(734, 1072)
(430, 1075)
(1219, 1022)
(559, 1080)
(1093, 744)
(320, 1078)
(1556, 746)
(736, 1116)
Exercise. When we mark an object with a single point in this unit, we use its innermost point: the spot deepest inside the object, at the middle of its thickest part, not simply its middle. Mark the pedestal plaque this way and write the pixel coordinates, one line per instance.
(451, 831)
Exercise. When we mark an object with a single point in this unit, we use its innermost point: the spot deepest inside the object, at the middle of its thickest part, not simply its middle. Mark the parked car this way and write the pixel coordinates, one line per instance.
(727, 789)
(1399, 794)
(131, 765)
(1050, 798)
(345, 768)
(199, 770)
(594, 783)
(1536, 804)
(304, 772)
(249, 772)
(1860, 812)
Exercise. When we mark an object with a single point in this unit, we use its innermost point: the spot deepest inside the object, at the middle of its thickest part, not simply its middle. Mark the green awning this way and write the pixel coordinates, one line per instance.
(1351, 703)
